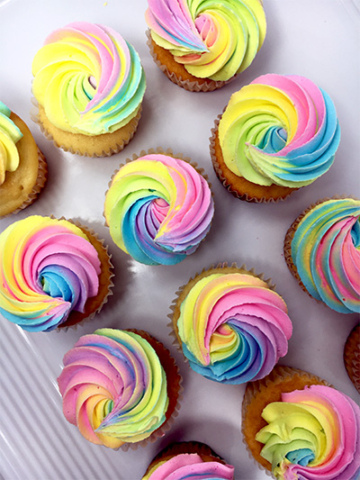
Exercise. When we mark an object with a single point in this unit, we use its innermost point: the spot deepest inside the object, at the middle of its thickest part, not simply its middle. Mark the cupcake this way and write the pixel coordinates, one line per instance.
(276, 135)
(53, 273)
(352, 356)
(119, 387)
(159, 208)
(297, 426)
(188, 460)
(231, 326)
(89, 86)
(322, 251)
(23, 168)
(201, 46)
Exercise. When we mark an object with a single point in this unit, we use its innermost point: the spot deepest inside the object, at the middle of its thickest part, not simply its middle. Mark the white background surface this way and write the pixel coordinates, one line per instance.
(318, 39)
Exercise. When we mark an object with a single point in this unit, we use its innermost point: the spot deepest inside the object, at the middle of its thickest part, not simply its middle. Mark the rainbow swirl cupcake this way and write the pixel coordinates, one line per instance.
(188, 461)
(308, 430)
(276, 135)
(23, 168)
(159, 208)
(52, 273)
(201, 46)
(322, 251)
(89, 84)
(119, 387)
(231, 326)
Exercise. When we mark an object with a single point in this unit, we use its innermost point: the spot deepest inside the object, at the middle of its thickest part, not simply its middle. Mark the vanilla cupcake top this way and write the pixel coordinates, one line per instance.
(158, 208)
(213, 39)
(325, 250)
(114, 388)
(48, 269)
(233, 328)
(312, 434)
(10, 134)
(88, 79)
(281, 130)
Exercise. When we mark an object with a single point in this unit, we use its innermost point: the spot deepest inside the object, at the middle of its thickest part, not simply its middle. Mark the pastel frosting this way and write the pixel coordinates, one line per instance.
(88, 79)
(312, 434)
(48, 269)
(233, 327)
(190, 467)
(158, 209)
(10, 134)
(114, 388)
(280, 129)
(326, 252)
(213, 39)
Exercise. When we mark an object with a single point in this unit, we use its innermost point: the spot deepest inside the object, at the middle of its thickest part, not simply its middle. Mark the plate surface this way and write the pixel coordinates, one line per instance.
(314, 38)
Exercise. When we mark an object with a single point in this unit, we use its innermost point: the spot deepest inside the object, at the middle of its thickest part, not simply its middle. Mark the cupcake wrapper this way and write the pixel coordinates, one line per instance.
(183, 290)
(37, 188)
(174, 382)
(118, 147)
(352, 356)
(290, 235)
(246, 197)
(259, 391)
(208, 86)
(107, 268)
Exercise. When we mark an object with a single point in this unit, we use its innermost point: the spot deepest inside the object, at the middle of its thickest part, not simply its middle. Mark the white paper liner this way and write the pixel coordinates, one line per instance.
(224, 181)
(194, 86)
(34, 115)
(176, 341)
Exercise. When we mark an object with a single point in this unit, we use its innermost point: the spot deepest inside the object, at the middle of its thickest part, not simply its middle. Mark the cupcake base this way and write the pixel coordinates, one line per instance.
(260, 393)
(239, 186)
(22, 187)
(352, 356)
(103, 145)
(178, 74)
(93, 305)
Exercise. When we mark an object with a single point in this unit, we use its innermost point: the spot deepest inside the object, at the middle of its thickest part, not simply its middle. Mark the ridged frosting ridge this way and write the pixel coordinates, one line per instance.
(312, 434)
(190, 467)
(48, 268)
(10, 134)
(326, 252)
(88, 79)
(233, 328)
(114, 388)
(280, 129)
(212, 38)
(158, 209)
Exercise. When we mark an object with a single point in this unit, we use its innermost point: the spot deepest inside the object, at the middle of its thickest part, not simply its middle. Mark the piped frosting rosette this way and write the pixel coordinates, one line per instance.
(114, 387)
(231, 326)
(159, 209)
(10, 134)
(312, 434)
(281, 130)
(88, 79)
(48, 269)
(322, 249)
(211, 39)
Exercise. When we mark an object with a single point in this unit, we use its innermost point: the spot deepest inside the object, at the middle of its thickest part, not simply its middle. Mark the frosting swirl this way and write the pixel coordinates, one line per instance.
(211, 38)
(326, 253)
(233, 328)
(158, 209)
(190, 467)
(88, 79)
(280, 129)
(312, 434)
(48, 268)
(10, 134)
(114, 388)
